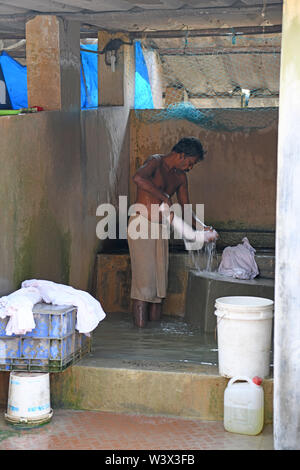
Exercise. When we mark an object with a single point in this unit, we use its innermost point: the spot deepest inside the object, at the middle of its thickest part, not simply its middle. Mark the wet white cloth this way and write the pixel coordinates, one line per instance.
(89, 310)
(239, 261)
(193, 239)
(18, 306)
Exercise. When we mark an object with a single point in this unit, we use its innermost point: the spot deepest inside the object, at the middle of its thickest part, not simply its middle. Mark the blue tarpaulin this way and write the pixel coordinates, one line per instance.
(15, 76)
(143, 95)
(89, 83)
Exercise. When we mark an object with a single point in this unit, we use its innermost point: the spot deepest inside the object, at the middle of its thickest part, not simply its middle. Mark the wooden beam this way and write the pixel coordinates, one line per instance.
(238, 31)
(193, 18)
(111, 77)
(43, 6)
(218, 50)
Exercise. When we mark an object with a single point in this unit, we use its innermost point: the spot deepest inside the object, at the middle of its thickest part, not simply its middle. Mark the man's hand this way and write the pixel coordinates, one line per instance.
(165, 209)
(167, 199)
(212, 230)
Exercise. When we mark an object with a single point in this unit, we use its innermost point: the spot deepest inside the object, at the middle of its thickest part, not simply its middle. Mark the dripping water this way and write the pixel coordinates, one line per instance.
(203, 260)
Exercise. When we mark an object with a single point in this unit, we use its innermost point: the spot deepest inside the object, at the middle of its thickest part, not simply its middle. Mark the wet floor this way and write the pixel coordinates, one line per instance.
(98, 430)
(170, 340)
(170, 343)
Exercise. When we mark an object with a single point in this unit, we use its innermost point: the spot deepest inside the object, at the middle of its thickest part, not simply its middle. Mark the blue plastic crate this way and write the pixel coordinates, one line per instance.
(53, 345)
(51, 321)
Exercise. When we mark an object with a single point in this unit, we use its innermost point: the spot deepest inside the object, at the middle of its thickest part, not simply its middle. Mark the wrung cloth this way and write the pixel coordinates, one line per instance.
(239, 261)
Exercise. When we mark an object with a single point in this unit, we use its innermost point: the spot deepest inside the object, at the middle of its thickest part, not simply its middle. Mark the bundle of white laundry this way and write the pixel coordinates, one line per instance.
(239, 261)
(18, 306)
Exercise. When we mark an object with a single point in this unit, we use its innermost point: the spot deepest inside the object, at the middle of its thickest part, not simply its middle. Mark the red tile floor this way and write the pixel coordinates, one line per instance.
(96, 430)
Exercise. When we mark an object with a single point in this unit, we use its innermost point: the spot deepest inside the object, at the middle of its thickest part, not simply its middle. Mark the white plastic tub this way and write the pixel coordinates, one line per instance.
(244, 329)
(28, 398)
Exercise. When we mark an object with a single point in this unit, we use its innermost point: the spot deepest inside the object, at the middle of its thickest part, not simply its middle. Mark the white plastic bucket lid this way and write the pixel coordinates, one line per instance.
(245, 303)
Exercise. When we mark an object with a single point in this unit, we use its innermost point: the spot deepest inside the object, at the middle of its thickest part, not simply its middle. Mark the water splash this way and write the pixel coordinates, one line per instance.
(210, 253)
(203, 260)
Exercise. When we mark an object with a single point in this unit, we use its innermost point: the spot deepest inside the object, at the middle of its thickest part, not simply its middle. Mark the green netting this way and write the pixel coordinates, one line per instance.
(220, 83)
(229, 120)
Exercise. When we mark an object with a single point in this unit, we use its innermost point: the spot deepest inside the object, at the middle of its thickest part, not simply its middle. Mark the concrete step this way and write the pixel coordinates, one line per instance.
(192, 391)
(168, 368)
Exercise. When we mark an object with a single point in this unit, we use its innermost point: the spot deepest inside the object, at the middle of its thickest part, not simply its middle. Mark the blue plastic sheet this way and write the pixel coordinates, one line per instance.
(15, 76)
(143, 95)
(89, 83)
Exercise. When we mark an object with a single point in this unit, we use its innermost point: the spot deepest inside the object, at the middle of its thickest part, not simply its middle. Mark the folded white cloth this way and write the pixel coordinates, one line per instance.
(18, 306)
(89, 310)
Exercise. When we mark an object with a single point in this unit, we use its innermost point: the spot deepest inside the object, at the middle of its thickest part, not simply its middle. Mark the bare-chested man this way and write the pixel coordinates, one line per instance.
(157, 180)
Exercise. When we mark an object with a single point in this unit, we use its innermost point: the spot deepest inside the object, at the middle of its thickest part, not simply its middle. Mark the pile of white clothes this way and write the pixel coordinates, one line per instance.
(239, 261)
(18, 306)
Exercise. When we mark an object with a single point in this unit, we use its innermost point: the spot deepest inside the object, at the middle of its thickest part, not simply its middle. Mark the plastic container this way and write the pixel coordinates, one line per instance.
(244, 406)
(244, 330)
(52, 346)
(28, 398)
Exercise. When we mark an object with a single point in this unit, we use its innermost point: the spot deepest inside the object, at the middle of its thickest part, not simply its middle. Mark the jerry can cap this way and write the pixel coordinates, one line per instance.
(257, 380)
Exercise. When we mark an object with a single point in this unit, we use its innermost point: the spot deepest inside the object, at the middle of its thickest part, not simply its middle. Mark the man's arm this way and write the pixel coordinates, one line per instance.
(143, 181)
(183, 198)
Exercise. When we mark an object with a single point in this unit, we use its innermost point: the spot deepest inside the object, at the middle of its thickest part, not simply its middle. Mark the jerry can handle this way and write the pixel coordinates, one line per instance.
(239, 377)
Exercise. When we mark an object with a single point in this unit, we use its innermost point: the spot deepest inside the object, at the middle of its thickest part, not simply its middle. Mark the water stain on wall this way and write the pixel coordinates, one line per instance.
(43, 239)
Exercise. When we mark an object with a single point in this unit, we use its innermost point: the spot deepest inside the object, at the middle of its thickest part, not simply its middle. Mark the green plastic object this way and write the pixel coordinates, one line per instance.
(7, 112)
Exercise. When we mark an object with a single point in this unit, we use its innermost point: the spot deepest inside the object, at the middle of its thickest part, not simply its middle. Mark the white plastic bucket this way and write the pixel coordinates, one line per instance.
(244, 329)
(28, 398)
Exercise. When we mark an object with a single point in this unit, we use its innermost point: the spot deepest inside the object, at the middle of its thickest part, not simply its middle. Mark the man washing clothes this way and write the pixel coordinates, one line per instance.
(160, 177)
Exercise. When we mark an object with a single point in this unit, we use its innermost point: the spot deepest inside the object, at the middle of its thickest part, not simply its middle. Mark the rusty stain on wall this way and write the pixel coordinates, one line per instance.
(237, 179)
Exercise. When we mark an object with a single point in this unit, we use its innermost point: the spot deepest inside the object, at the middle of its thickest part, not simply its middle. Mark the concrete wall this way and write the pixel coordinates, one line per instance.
(237, 179)
(56, 168)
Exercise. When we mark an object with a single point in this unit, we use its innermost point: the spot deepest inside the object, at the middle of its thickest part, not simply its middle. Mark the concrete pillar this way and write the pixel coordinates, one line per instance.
(53, 63)
(287, 277)
(112, 79)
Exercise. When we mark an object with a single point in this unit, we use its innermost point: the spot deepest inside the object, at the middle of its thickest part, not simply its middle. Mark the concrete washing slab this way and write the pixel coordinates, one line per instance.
(205, 287)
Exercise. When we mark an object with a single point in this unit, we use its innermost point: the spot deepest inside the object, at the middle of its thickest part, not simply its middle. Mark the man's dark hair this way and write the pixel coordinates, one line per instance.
(190, 146)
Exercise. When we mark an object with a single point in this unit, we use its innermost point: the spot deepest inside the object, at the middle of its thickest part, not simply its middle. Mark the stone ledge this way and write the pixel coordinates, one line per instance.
(186, 394)
(204, 288)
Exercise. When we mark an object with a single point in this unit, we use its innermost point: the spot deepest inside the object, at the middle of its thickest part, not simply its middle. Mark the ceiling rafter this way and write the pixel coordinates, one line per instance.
(133, 18)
